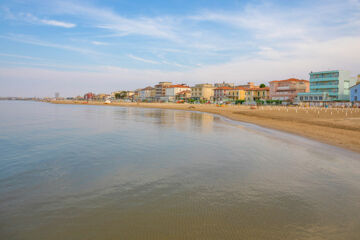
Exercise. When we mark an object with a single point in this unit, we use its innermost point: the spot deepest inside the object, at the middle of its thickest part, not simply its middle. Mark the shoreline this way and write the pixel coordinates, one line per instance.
(337, 127)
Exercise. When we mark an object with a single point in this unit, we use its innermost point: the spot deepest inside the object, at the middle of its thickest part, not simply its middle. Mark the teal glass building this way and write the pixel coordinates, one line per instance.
(328, 86)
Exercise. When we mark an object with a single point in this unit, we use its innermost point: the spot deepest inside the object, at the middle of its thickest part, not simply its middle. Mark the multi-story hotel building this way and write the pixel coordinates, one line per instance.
(287, 90)
(160, 89)
(172, 90)
(237, 93)
(229, 93)
(202, 91)
(147, 93)
(255, 94)
(328, 86)
(222, 94)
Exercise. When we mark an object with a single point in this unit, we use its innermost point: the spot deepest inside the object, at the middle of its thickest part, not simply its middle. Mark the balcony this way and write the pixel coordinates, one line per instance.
(324, 79)
(283, 88)
(288, 89)
(323, 86)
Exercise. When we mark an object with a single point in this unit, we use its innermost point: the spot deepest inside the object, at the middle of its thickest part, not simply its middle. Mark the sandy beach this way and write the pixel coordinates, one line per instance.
(335, 126)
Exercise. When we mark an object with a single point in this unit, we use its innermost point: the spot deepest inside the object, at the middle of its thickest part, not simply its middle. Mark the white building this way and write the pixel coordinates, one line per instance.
(172, 90)
(147, 93)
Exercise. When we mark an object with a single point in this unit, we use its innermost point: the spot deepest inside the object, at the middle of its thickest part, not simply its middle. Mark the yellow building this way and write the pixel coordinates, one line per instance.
(237, 93)
(202, 91)
(254, 94)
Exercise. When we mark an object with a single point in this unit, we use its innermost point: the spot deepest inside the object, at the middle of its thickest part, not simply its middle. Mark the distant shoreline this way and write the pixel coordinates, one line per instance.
(335, 127)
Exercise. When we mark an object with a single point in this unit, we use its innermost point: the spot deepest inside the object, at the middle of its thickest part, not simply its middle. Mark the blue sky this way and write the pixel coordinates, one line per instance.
(73, 47)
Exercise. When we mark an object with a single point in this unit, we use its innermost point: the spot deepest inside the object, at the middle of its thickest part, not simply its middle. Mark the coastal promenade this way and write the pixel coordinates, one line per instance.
(335, 126)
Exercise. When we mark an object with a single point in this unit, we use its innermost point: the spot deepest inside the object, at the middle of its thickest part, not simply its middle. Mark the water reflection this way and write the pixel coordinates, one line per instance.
(92, 172)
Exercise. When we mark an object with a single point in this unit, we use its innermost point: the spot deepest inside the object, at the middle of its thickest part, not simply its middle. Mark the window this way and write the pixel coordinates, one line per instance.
(301, 98)
(310, 98)
(315, 98)
(306, 98)
(320, 98)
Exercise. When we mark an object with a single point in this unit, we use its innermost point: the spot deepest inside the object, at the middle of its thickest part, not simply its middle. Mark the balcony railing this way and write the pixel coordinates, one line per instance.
(324, 79)
(323, 86)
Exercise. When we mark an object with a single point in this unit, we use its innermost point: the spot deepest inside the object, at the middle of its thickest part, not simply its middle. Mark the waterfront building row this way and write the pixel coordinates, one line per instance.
(324, 86)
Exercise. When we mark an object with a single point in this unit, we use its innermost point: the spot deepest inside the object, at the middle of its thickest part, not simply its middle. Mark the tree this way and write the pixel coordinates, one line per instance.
(239, 101)
(120, 95)
(262, 85)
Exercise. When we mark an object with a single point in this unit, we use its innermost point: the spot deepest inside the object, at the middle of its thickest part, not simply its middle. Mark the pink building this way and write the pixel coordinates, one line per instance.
(221, 93)
(89, 96)
(287, 90)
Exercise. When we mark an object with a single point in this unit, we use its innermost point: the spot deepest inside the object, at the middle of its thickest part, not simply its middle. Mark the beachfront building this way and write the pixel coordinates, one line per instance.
(355, 92)
(237, 93)
(89, 96)
(255, 94)
(287, 90)
(183, 95)
(147, 93)
(172, 90)
(101, 97)
(202, 92)
(136, 95)
(160, 90)
(328, 86)
(221, 94)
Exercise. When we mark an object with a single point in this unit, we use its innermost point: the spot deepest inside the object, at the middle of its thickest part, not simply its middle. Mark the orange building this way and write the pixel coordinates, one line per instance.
(287, 90)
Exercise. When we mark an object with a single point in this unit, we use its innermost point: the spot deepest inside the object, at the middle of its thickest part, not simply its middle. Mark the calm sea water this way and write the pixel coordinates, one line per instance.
(95, 172)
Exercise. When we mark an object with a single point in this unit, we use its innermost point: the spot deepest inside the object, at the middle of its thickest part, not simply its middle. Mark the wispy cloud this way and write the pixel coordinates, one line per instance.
(30, 18)
(30, 40)
(99, 43)
(19, 56)
(142, 59)
(160, 27)
(57, 23)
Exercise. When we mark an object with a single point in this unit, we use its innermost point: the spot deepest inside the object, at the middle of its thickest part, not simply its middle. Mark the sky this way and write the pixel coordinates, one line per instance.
(74, 47)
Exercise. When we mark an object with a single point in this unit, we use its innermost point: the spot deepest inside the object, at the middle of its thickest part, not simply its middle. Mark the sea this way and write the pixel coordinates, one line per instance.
(81, 172)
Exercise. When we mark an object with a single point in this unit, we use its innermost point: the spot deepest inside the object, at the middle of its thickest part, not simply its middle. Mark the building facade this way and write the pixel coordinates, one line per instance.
(221, 94)
(147, 93)
(355, 91)
(237, 93)
(202, 91)
(256, 94)
(172, 90)
(89, 96)
(328, 86)
(160, 89)
(287, 90)
(183, 95)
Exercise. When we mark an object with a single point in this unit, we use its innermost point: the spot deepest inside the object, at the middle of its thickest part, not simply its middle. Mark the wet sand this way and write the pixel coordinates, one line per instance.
(338, 127)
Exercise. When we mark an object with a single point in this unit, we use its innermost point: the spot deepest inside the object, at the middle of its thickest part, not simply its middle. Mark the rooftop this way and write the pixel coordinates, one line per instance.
(183, 92)
(290, 80)
(258, 89)
(148, 88)
(177, 86)
(224, 88)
